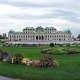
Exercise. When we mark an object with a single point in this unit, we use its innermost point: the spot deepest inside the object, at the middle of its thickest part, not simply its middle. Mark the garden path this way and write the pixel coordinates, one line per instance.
(6, 78)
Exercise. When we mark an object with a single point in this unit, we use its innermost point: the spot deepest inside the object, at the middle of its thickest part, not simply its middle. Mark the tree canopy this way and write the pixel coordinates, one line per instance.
(78, 36)
(1, 37)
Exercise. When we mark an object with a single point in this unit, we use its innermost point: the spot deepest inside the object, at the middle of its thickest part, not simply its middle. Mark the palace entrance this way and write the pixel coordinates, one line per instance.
(39, 37)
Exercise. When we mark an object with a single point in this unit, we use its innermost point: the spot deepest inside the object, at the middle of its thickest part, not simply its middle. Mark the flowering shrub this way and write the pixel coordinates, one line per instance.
(3, 54)
(48, 61)
(28, 62)
(25, 61)
(17, 58)
(35, 63)
(9, 58)
(32, 63)
(53, 64)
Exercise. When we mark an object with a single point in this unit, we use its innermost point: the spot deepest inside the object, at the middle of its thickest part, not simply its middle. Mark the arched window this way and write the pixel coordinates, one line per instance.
(64, 35)
(10, 36)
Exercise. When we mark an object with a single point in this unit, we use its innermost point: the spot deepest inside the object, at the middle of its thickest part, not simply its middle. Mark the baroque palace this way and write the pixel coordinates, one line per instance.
(39, 34)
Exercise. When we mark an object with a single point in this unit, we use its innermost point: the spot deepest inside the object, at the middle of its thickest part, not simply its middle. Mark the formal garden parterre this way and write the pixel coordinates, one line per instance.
(69, 64)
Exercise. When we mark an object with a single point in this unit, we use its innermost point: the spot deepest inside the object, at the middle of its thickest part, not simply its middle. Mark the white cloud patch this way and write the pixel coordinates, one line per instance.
(8, 9)
(78, 18)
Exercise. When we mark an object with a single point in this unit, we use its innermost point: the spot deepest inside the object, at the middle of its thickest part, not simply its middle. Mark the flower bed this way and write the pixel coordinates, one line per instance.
(45, 61)
(24, 45)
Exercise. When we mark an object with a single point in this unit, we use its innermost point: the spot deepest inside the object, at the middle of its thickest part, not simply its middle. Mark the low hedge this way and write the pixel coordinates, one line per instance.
(58, 51)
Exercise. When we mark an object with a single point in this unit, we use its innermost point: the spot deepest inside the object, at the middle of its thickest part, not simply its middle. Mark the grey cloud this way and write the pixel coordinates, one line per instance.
(70, 16)
(66, 14)
(23, 4)
(72, 4)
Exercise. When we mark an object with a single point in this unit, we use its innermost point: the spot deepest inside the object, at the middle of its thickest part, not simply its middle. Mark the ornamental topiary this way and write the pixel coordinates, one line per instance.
(51, 44)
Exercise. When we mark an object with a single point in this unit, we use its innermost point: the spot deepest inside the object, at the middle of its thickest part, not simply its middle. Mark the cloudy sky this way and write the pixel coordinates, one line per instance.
(61, 14)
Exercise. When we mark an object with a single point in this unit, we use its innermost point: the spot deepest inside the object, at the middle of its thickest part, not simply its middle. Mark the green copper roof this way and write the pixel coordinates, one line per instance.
(50, 28)
(67, 31)
(39, 28)
(30, 28)
(11, 31)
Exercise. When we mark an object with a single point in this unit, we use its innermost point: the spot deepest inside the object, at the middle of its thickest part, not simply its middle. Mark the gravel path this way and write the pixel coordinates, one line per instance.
(6, 78)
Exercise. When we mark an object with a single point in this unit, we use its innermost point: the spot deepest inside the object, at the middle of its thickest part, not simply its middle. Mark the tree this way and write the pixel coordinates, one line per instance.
(1, 37)
(78, 36)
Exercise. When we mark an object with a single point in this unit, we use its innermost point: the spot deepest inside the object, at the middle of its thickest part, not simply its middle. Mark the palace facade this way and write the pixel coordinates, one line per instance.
(39, 34)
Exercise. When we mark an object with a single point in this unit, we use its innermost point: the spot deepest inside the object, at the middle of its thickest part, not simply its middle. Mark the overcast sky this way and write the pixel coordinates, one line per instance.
(61, 14)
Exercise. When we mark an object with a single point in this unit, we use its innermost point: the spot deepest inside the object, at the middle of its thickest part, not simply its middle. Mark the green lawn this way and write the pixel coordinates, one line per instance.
(1, 43)
(69, 68)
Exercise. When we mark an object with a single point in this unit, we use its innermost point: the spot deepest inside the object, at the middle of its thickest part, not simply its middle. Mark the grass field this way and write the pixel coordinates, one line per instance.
(1, 43)
(69, 68)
